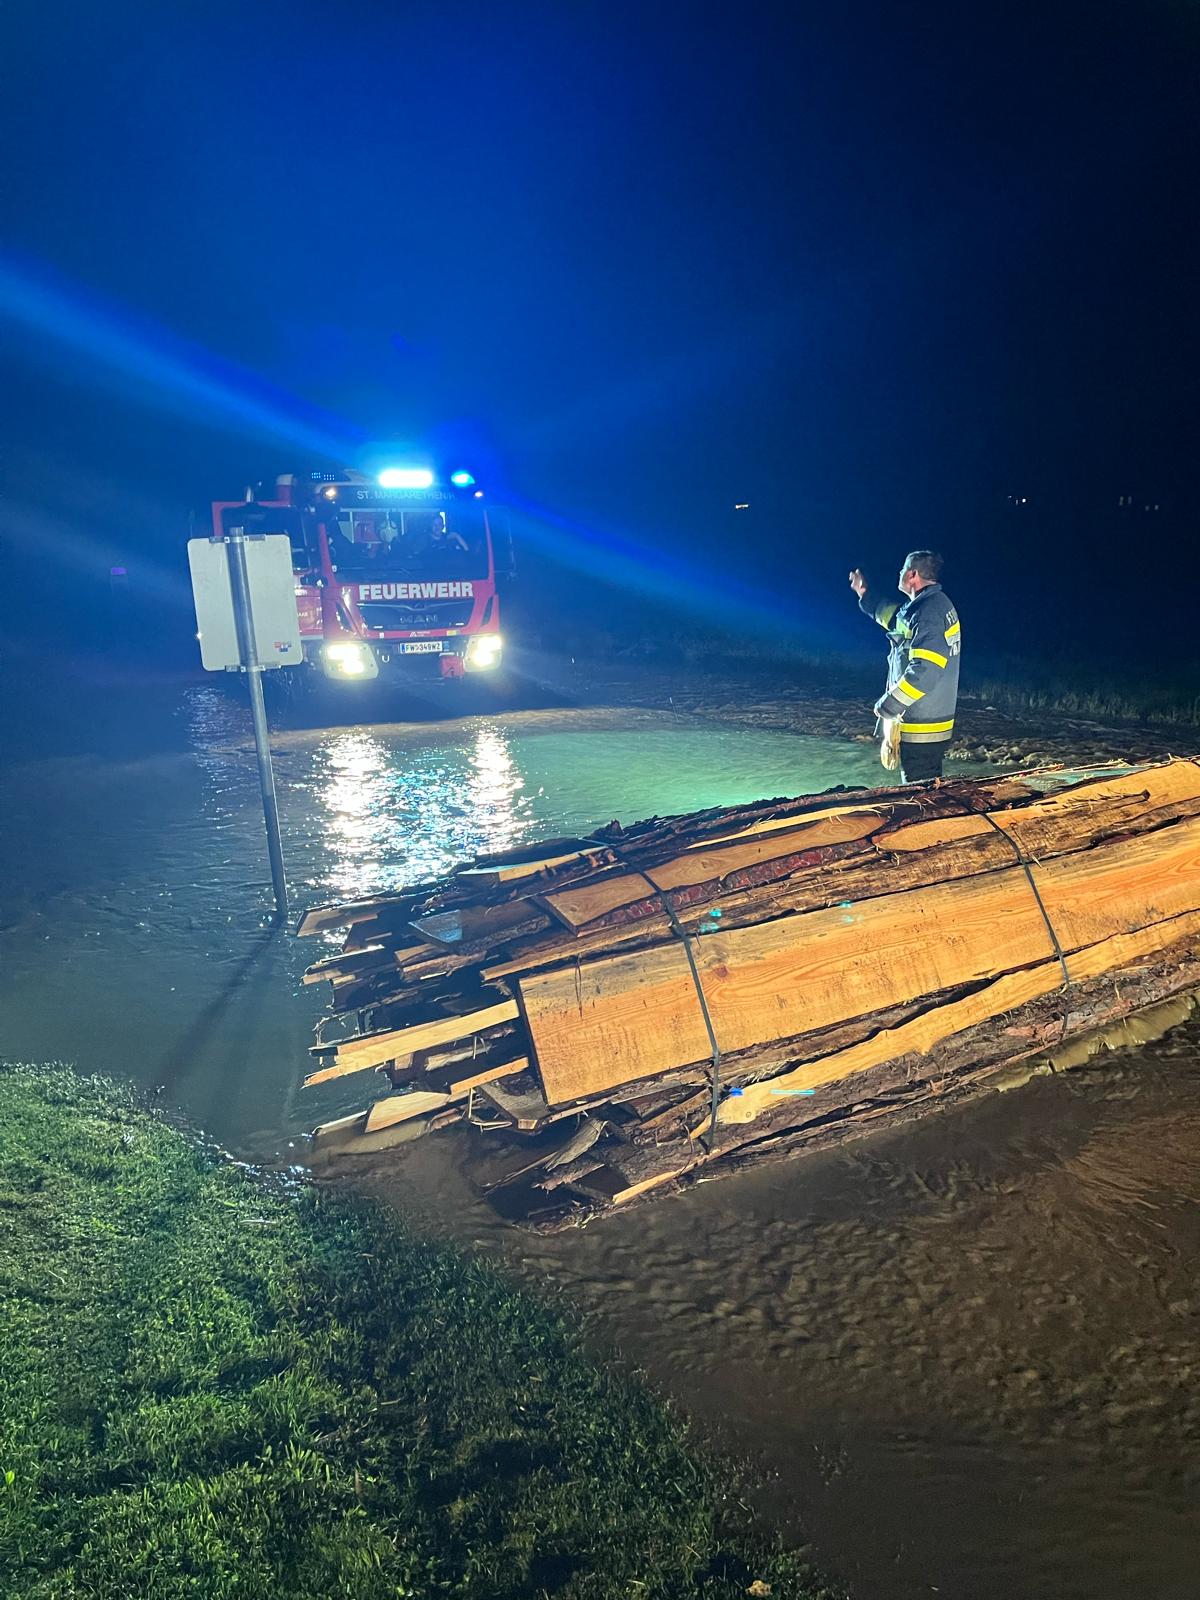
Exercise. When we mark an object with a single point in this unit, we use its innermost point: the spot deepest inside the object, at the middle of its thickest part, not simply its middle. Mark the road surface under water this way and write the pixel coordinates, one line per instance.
(963, 1354)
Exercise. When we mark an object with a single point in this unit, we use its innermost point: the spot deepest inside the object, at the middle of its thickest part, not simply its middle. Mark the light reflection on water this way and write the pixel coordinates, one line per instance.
(394, 821)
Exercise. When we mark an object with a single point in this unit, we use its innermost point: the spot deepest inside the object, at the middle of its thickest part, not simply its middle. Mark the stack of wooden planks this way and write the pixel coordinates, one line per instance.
(626, 1011)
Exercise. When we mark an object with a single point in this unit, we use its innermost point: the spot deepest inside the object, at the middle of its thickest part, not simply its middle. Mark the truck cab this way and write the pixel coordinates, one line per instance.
(393, 575)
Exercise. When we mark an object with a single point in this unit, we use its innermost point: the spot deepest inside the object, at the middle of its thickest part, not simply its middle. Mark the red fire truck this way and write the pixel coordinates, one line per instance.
(394, 574)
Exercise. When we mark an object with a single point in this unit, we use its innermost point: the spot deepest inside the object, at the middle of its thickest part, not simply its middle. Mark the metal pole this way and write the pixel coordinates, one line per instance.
(243, 612)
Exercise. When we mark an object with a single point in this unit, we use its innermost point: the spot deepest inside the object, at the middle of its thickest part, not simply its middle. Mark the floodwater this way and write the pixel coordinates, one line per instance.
(135, 904)
(962, 1356)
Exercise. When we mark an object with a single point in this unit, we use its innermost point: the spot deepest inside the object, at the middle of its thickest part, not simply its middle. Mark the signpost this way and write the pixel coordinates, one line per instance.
(247, 622)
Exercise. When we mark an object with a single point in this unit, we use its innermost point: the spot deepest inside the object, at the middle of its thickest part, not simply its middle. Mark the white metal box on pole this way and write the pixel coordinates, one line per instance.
(272, 596)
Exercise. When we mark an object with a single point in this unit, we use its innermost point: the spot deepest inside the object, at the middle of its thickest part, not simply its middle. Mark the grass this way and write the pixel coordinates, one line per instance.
(212, 1387)
(1102, 689)
(1091, 697)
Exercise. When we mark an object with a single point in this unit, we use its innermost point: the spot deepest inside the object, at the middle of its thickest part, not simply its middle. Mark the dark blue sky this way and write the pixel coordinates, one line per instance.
(874, 268)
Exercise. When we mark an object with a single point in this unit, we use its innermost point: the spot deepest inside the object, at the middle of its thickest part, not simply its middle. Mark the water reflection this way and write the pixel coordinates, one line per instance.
(398, 816)
(495, 790)
(213, 721)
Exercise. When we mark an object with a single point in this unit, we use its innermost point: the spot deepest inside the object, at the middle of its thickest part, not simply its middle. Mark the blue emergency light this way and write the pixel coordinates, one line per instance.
(406, 478)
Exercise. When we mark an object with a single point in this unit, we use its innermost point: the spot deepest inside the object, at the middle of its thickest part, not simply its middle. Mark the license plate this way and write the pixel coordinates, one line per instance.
(425, 647)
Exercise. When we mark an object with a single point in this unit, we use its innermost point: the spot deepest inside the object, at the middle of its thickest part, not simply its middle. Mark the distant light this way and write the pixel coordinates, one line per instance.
(479, 494)
(406, 478)
(461, 480)
(330, 494)
(742, 505)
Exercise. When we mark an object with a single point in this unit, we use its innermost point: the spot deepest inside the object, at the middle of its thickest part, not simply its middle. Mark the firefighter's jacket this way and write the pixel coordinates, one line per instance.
(922, 663)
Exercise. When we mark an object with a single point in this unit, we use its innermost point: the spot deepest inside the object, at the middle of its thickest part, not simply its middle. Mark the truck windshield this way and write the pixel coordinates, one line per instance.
(255, 518)
(408, 543)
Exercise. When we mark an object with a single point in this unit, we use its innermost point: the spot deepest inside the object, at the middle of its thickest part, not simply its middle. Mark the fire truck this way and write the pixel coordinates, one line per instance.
(394, 575)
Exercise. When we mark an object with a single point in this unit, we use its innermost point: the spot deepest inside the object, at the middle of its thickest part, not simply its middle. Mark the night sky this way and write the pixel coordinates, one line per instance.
(892, 274)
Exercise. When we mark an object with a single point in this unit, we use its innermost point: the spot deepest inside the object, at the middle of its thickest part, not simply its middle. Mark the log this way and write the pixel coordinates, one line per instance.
(583, 903)
(964, 844)
(625, 1017)
(874, 868)
(941, 1022)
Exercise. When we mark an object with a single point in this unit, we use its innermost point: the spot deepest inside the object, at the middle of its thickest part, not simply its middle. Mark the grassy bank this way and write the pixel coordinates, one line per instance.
(213, 1388)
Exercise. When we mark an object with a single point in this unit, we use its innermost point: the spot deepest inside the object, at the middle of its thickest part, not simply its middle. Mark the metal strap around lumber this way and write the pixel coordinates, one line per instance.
(685, 939)
(1027, 868)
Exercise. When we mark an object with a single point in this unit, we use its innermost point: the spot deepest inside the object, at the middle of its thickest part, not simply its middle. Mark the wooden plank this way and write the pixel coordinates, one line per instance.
(701, 865)
(527, 1111)
(550, 1180)
(324, 1131)
(346, 968)
(403, 1108)
(989, 791)
(317, 919)
(635, 1172)
(846, 807)
(1151, 786)
(513, 871)
(580, 1142)
(678, 1112)
(584, 902)
(959, 845)
(579, 904)
(506, 1069)
(356, 1055)
(559, 952)
(623, 1017)
(471, 924)
(941, 1022)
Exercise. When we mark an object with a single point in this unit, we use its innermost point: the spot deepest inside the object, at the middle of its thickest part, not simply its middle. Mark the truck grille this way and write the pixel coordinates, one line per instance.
(397, 617)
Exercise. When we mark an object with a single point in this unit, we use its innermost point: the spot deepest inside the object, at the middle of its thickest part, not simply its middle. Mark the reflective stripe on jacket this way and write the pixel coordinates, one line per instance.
(926, 641)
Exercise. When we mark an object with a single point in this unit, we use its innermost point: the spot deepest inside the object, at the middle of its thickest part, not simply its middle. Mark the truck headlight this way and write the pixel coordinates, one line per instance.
(483, 651)
(347, 658)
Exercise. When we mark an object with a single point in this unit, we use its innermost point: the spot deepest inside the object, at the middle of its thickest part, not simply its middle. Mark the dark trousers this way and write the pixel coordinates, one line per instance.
(919, 762)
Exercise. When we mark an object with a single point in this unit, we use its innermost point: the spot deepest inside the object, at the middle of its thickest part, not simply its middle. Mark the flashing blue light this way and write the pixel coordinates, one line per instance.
(461, 480)
(406, 478)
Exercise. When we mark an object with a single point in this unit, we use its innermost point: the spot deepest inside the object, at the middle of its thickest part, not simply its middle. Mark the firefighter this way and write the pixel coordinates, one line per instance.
(443, 538)
(922, 684)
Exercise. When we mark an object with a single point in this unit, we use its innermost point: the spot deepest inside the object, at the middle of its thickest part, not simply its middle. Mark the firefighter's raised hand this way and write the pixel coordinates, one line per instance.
(858, 583)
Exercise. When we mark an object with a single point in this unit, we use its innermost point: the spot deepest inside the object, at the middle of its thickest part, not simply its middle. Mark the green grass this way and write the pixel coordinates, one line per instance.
(1094, 699)
(212, 1387)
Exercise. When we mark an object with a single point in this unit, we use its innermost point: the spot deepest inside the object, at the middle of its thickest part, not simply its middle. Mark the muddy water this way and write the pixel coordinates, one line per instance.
(963, 1356)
